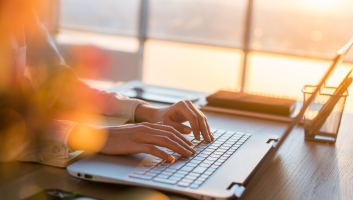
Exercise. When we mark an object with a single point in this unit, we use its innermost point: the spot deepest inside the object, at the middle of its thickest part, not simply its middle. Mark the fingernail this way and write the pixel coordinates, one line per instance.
(187, 130)
(189, 153)
(161, 122)
(171, 158)
(193, 151)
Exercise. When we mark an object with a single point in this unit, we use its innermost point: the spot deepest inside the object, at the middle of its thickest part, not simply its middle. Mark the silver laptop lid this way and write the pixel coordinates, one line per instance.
(338, 59)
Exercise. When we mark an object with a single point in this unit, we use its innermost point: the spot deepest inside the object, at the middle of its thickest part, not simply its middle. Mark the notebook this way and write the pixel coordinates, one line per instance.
(240, 103)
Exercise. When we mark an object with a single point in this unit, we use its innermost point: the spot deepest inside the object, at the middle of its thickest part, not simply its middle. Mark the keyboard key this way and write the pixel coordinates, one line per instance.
(213, 167)
(165, 164)
(175, 178)
(212, 159)
(195, 161)
(199, 170)
(206, 152)
(198, 148)
(167, 181)
(208, 173)
(216, 154)
(207, 162)
(199, 158)
(139, 172)
(166, 173)
(160, 168)
(201, 179)
(155, 171)
(194, 186)
(194, 174)
(151, 174)
(178, 175)
(205, 165)
(146, 177)
(170, 170)
(198, 182)
(212, 147)
(191, 165)
(204, 176)
(177, 165)
(181, 172)
(221, 160)
(224, 157)
(188, 169)
(217, 163)
(202, 155)
(163, 176)
(225, 136)
(189, 178)
(184, 184)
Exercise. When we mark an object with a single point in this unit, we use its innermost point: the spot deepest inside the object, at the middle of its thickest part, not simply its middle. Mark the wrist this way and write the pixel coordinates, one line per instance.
(85, 137)
(145, 113)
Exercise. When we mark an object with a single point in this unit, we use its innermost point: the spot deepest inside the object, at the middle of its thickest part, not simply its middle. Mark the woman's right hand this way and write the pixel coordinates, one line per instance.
(130, 139)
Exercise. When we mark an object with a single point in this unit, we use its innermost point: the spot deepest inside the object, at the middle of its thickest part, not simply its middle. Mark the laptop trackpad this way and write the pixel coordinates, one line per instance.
(116, 167)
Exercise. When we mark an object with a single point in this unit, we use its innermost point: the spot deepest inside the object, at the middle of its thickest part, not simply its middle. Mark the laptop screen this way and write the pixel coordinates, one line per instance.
(337, 60)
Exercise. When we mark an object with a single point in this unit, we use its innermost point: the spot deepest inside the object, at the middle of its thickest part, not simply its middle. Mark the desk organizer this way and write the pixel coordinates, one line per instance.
(329, 130)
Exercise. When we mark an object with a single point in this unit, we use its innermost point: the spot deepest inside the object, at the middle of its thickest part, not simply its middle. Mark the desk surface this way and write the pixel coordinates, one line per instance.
(301, 170)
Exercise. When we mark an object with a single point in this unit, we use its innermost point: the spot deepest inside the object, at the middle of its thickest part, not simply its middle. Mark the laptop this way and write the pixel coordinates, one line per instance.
(223, 169)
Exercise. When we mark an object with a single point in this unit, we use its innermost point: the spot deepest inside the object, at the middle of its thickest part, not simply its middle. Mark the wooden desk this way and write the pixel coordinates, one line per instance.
(301, 170)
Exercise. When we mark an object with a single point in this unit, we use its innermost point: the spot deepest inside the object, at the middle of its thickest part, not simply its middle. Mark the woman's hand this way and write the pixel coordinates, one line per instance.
(174, 116)
(130, 139)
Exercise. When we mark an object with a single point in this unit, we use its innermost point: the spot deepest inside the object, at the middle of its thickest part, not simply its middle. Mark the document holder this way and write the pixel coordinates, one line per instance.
(329, 129)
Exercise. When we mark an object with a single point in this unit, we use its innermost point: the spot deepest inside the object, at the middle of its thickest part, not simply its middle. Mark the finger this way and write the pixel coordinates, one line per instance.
(170, 129)
(209, 129)
(184, 109)
(202, 122)
(180, 127)
(180, 119)
(163, 141)
(153, 150)
(170, 132)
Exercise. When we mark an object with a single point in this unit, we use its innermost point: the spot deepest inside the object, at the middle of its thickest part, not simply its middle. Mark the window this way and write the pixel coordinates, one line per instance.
(199, 44)
(309, 28)
(212, 60)
(117, 17)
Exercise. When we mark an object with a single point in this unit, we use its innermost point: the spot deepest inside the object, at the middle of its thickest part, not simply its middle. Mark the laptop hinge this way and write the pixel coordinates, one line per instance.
(272, 141)
(237, 189)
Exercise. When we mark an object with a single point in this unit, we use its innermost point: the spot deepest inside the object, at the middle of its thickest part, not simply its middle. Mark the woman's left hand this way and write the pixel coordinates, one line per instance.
(174, 116)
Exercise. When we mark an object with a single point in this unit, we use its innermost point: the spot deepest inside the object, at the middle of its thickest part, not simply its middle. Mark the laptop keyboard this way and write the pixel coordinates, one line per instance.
(193, 171)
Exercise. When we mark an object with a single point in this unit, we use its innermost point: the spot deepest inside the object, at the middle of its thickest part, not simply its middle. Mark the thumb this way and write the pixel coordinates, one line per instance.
(179, 127)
